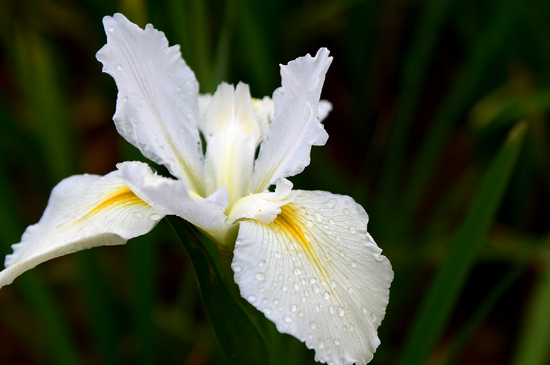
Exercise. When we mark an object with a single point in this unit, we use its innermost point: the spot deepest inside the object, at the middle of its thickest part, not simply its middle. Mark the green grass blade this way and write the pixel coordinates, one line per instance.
(485, 47)
(416, 64)
(534, 342)
(237, 335)
(443, 293)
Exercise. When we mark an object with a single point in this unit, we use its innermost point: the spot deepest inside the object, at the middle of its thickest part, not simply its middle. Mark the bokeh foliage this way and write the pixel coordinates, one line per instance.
(439, 129)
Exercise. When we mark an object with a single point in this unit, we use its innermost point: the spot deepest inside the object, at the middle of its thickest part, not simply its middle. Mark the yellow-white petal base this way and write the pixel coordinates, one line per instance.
(84, 211)
(318, 275)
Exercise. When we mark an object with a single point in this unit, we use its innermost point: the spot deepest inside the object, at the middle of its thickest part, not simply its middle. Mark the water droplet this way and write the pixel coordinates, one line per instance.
(350, 289)
(307, 292)
(287, 319)
(264, 301)
(317, 308)
(237, 269)
(252, 299)
(300, 314)
(155, 217)
(110, 28)
(277, 255)
(353, 264)
(373, 317)
(119, 67)
(331, 309)
(312, 280)
(261, 263)
(260, 276)
(352, 230)
(341, 311)
(346, 211)
(333, 283)
(284, 288)
(328, 350)
(296, 286)
(313, 325)
(276, 301)
(294, 308)
(320, 343)
(309, 223)
(318, 217)
(316, 289)
(267, 311)
(237, 242)
(337, 342)
(138, 215)
(364, 309)
(331, 221)
(326, 295)
(297, 270)
(351, 327)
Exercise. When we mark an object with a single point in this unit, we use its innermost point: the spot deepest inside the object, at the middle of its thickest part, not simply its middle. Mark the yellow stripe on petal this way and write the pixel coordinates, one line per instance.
(317, 274)
(84, 211)
(287, 223)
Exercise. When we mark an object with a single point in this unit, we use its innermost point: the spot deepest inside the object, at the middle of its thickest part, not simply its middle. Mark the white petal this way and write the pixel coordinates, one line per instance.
(84, 211)
(157, 104)
(296, 123)
(232, 133)
(172, 198)
(264, 207)
(318, 275)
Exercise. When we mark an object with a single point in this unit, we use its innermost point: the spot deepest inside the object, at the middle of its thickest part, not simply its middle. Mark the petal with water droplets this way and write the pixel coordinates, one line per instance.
(317, 274)
(296, 124)
(157, 104)
(84, 211)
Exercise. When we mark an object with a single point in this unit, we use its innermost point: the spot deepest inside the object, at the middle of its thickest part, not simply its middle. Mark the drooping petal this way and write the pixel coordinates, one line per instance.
(296, 123)
(172, 198)
(157, 104)
(318, 275)
(232, 133)
(84, 211)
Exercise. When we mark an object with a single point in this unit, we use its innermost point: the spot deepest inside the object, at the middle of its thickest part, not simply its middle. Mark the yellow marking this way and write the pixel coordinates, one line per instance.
(286, 221)
(122, 195)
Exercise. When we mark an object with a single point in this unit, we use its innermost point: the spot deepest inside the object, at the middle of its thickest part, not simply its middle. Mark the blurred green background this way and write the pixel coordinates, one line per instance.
(439, 129)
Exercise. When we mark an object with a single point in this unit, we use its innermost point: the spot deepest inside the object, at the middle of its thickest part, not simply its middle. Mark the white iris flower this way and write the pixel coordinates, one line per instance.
(303, 258)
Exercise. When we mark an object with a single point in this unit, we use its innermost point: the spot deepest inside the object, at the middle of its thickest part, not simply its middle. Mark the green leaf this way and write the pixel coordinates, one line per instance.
(534, 342)
(449, 281)
(237, 335)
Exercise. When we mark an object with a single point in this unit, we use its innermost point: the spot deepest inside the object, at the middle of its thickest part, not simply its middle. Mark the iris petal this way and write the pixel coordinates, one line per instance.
(318, 275)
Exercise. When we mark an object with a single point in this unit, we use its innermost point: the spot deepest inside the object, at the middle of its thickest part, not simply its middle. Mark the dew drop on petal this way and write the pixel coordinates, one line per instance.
(364, 309)
(297, 271)
(341, 311)
(337, 342)
(287, 319)
(294, 308)
(267, 311)
(252, 299)
(352, 230)
(119, 67)
(326, 295)
(284, 288)
(260, 276)
(261, 263)
(373, 317)
(331, 309)
(155, 217)
(300, 314)
(353, 264)
(313, 325)
(138, 215)
(321, 343)
(237, 269)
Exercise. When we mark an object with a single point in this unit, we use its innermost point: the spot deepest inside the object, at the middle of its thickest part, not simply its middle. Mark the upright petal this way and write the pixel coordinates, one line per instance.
(296, 123)
(157, 104)
(232, 133)
(172, 198)
(84, 211)
(318, 275)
